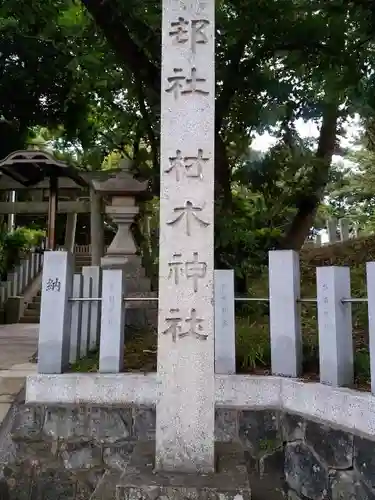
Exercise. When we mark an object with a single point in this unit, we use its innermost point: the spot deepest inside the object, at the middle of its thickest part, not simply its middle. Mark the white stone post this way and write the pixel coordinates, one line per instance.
(86, 312)
(185, 409)
(111, 352)
(285, 316)
(332, 230)
(370, 271)
(70, 231)
(225, 328)
(75, 336)
(335, 326)
(344, 229)
(93, 272)
(318, 240)
(55, 313)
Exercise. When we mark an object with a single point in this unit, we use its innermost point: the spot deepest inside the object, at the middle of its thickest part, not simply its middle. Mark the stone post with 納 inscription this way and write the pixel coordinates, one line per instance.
(185, 410)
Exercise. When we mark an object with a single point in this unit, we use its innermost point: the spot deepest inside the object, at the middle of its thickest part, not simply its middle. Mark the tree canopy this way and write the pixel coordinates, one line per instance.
(89, 75)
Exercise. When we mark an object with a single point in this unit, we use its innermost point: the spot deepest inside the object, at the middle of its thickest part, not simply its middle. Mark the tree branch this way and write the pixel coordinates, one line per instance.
(230, 81)
(117, 34)
(307, 205)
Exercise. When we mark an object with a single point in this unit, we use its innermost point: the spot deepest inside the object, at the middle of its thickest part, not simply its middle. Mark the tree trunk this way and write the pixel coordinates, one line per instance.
(222, 172)
(308, 205)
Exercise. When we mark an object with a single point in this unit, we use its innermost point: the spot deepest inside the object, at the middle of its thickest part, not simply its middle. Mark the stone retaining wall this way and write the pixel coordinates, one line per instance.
(80, 452)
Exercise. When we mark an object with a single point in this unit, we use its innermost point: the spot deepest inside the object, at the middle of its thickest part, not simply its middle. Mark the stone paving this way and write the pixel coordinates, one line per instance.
(18, 344)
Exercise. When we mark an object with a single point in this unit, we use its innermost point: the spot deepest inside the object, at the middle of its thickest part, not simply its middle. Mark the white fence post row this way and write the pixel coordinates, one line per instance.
(285, 315)
(225, 329)
(28, 270)
(335, 326)
(32, 265)
(94, 273)
(111, 353)
(55, 313)
(332, 230)
(370, 272)
(344, 229)
(75, 335)
(86, 313)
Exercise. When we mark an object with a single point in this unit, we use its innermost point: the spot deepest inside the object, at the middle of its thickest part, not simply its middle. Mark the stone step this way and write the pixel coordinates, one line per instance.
(34, 306)
(31, 312)
(29, 319)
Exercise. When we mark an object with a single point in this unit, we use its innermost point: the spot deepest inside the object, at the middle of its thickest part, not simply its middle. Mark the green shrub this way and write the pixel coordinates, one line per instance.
(15, 244)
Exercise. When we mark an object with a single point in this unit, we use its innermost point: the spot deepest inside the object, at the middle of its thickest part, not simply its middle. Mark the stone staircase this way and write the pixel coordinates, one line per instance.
(32, 311)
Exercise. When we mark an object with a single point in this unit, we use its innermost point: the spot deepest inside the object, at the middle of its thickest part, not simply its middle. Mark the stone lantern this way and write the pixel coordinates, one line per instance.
(123, 191)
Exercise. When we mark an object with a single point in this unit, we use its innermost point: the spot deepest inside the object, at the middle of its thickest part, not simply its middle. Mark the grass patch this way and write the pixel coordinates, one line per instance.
(140, 353)
(252, 320)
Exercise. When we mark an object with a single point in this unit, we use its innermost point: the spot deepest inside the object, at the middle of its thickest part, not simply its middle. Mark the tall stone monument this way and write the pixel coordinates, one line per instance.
(185, 462)
(185, 412)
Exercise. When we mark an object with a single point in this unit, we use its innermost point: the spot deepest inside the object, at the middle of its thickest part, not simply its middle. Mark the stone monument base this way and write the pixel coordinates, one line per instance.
(228, 482)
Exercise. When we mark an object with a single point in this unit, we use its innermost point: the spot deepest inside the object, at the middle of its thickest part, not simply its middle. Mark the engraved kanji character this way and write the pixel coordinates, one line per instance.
(177, 163)
(53, 285)
(195, 270)
(195, 327)
(176, 268)
(188, 211)
(179, 31)
(196, 163)
(174, 324)
(198, 35)
(192, 84)
(176, 83)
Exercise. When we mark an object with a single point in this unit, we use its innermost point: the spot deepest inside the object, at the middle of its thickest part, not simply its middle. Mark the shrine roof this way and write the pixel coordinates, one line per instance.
(31, 167)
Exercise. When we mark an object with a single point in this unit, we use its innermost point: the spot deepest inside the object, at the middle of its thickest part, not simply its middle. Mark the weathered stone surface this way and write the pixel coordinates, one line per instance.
(304, 473)
(42, 451)
(259, 431)
(144, 423)
(364, 460)
(226, 428)
(89, 449)
(293, 427)
(266, 476)
(292, 495)
(117, 456)
(66, 423)
(78, 456)
(34, 483)
(28, 422)
(140, 480)
(110, 426)
(273, 464)
(333, 446)
(345, 485)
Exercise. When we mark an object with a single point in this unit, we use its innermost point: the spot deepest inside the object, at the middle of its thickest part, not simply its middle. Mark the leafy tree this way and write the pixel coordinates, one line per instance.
(276, 61)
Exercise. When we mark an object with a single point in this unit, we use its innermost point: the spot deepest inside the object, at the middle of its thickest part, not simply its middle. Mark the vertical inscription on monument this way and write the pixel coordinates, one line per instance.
(185, 411)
